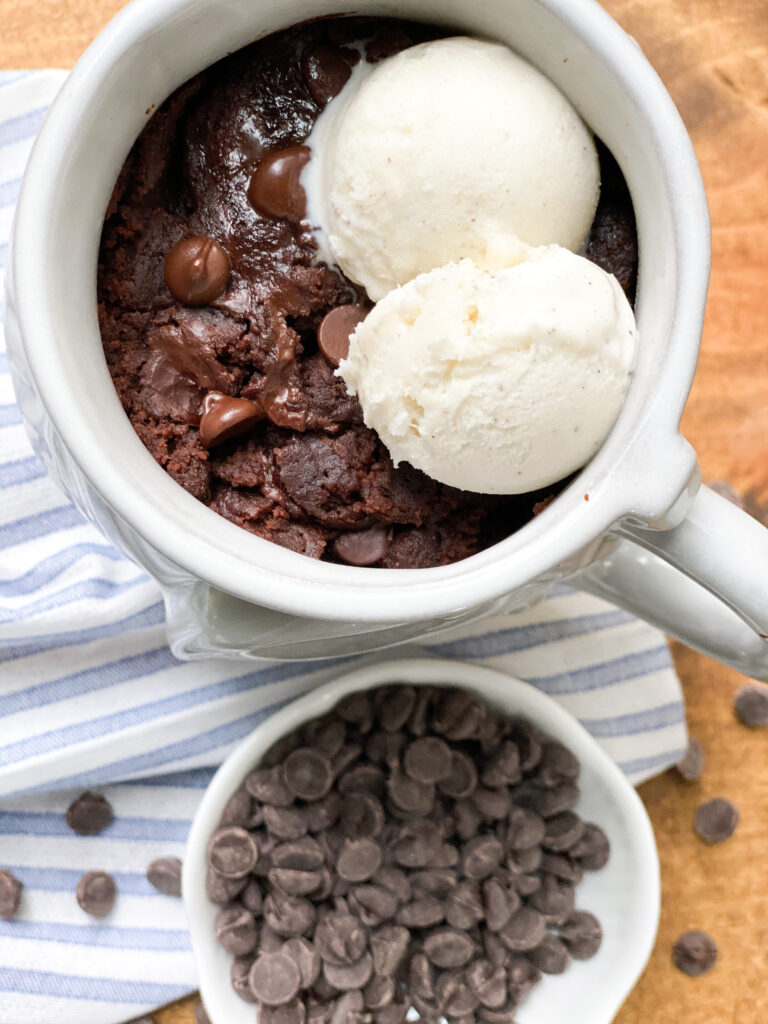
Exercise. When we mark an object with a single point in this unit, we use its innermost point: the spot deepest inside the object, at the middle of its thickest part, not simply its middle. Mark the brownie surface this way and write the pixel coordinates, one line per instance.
(311, 471)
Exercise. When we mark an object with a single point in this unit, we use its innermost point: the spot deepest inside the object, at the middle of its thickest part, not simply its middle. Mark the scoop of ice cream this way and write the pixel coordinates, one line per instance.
(496, 382)
(449, 149)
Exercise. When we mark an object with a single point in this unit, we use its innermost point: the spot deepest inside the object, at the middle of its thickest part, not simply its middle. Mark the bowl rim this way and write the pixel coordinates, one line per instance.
(520, 697)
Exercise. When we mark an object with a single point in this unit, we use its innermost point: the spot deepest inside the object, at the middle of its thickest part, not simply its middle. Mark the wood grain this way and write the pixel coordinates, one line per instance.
(713, 57)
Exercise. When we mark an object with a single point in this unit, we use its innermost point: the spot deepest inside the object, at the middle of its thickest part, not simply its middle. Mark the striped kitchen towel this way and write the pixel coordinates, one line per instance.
(91, 696)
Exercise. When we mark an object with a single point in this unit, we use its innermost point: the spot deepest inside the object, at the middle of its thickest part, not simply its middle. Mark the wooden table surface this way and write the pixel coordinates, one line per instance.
(713, 57)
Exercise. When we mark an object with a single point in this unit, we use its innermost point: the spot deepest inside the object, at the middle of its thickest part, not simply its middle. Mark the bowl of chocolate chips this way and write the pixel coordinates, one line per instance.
(420, 839)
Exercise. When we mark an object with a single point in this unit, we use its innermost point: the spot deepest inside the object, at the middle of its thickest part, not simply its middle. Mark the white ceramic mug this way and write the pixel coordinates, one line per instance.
(634, 526)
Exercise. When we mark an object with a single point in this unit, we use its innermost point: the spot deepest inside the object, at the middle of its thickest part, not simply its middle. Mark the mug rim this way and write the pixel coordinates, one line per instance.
(245, 565)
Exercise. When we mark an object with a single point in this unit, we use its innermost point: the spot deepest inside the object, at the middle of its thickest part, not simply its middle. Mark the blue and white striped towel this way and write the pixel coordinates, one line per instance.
(91, 696)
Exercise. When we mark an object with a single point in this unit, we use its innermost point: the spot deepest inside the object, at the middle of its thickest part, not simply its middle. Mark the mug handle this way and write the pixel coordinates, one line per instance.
(705, 581)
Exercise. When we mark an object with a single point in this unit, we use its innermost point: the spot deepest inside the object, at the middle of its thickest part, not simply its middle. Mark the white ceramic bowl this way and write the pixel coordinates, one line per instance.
(625, 895)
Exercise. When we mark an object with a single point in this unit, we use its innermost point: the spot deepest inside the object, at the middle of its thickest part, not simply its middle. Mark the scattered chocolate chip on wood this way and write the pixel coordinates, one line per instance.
(90, 814)
(691, 767)
(716, 820)
(694, 953)
(751, 705)
(410, 848)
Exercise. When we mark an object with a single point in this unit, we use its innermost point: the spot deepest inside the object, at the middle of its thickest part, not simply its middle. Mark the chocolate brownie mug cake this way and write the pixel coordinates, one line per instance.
(342, 332)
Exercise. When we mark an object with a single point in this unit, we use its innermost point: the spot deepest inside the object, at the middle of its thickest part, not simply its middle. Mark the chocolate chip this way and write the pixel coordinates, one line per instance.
(525, 930)
(340, 939)
(751, 705)
(464, 906)
(267, 785)
(334, 333)
(493, 804)
(222, 890)
(232, 852)
(422, 912)
(225, 417)
(373, 904)
(481, 856)
(554, 899)
(461, 780)
(307, 773)
(302, 854)
(361, 815)
(417, 720)
(325, 72)
(691, 768)
(10, 894)
(295, 883)
(289, 916)
(323, 814)
(497, 903)
(90, 814)
(359, 860)
(521, 978)
(236, 930)
(379, 992)
(408, 796)
(438, 882)
(363, 547)
(488, 981)
(547, 802)
(556, 764)
(395, 881)
(449, 947)
(427, 760)
(275, 979)
(364, 778)
(197, 270)
(165, 875)
(561, 866)
(275, 189)
(457, 716)
(416, 844)
(349, 1009)
(252, 899)
(716, 820)
(239, 971)
(581, 934)
(455, 998)
(328, 735)
(349, 976)
(524, 829)
(694, 953)
(395, 705)
(528, 743)
(551, 957)
(593, 849)
(306, 958)
(345, 757)
(294, 1012)
(563, 831)
(286, 822)
(503, 768)
(240, 810)
(388, 947)
(96, 893)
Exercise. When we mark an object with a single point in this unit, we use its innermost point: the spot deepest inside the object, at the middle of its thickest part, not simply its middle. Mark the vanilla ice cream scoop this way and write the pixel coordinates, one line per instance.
(497, 382)
(450, 149)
